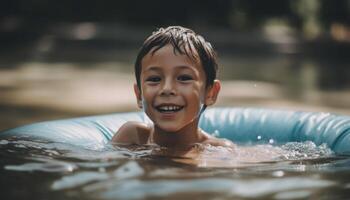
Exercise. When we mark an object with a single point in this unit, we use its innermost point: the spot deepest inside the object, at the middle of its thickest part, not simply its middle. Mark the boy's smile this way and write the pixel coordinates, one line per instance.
(172, 89)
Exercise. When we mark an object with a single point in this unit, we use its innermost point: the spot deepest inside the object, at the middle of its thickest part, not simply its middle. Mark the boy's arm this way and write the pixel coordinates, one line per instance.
(132, 133)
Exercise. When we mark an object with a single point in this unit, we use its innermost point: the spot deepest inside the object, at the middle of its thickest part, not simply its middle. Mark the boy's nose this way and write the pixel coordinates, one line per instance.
(168, 88)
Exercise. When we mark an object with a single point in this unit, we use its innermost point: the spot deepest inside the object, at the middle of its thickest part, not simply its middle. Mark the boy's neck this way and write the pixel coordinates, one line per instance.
(187, 136)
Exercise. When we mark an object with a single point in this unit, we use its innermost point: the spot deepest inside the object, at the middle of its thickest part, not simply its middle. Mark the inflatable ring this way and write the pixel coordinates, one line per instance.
(241, 125)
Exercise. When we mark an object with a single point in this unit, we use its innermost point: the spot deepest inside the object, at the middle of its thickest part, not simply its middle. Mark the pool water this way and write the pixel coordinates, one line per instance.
(297, 170)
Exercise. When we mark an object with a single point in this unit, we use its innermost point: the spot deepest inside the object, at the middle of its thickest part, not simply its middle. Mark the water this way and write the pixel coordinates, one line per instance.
(296, 170)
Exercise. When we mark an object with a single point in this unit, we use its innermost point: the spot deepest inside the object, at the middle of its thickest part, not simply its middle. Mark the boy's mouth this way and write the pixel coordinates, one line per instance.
(169, 108)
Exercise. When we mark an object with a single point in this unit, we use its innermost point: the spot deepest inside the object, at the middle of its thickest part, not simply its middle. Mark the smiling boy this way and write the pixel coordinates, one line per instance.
(176, 72)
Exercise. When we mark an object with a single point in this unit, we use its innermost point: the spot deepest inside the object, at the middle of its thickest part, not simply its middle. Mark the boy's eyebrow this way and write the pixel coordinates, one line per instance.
(158, 68)
(152, 68)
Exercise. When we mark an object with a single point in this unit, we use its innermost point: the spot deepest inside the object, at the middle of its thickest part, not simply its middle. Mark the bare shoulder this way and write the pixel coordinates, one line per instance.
(219, 142)
(132, 133)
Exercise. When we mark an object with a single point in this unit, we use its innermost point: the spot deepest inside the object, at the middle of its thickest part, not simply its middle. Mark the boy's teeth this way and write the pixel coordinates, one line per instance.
(169, 108)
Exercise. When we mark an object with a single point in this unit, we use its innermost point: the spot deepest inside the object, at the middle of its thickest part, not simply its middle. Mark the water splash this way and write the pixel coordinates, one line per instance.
(305, 150)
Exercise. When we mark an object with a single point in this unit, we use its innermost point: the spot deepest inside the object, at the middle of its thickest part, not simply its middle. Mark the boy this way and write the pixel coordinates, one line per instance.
(175, 73)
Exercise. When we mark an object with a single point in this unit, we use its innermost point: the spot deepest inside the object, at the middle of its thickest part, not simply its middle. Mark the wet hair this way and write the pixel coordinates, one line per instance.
(186, 42)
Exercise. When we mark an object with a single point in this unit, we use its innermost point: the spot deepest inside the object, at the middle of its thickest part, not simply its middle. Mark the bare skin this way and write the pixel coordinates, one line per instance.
(231, 156)
(172, 91)
(143, 134)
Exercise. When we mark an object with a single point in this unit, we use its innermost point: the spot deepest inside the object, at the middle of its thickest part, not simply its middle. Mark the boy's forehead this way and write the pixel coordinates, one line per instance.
(170, 50)
(166, 56)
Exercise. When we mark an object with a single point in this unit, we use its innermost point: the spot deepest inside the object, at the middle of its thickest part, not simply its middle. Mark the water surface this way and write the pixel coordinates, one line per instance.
(296, 170)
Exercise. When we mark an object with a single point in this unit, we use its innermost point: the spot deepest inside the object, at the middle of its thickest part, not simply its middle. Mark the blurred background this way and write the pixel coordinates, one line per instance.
(61, 59)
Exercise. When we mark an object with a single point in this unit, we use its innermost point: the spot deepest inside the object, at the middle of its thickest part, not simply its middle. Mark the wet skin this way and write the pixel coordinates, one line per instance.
(173, 89)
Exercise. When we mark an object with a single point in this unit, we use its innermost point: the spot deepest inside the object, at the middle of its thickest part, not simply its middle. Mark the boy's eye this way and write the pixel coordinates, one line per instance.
(184, 78)
(153, 79)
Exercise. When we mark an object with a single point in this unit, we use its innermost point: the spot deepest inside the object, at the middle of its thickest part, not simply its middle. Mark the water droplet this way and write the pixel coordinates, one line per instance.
(216, 133)
(259, 137)
(271, 141)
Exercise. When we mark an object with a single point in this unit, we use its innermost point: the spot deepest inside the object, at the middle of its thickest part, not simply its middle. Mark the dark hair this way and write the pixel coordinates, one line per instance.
(185, 41)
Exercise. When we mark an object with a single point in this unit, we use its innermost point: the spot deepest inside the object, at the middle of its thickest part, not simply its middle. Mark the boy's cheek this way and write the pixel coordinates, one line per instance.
(194, 89)
(149, 90)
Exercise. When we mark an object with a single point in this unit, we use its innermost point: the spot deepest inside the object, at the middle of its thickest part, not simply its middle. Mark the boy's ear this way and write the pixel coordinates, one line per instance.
(138, 95)
(212, 93)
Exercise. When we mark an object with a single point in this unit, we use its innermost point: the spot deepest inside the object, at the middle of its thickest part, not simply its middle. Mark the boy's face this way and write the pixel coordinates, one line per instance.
(173, 89)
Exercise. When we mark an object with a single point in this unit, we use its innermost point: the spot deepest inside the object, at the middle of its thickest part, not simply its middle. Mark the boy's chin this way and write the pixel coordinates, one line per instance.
(169, 128)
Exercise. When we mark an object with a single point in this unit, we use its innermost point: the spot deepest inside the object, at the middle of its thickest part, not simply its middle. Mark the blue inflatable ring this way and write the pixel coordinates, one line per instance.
(241, 125)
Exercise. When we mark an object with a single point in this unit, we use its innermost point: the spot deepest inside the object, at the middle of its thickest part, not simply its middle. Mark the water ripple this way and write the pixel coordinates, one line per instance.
(45, 167)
